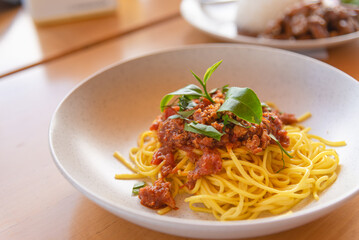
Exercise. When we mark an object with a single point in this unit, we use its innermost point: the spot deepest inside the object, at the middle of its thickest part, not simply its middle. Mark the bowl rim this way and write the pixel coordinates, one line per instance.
(163, 218)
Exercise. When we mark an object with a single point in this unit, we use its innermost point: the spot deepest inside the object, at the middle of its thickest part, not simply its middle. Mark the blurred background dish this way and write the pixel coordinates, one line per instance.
(45, 12)
(221, 22)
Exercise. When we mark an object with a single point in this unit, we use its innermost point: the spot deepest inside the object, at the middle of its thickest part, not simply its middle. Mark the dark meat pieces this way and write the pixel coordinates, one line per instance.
(157, 196)
(314, 20)
(209, 163)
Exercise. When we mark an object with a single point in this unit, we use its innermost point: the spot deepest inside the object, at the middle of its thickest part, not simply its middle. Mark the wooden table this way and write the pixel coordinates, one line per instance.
(40, 65)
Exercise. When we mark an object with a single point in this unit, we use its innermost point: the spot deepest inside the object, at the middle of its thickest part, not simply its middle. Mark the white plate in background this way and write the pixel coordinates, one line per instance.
(218, 20)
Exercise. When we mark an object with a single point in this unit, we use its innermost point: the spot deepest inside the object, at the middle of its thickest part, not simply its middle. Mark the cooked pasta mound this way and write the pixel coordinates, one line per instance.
(248, 184)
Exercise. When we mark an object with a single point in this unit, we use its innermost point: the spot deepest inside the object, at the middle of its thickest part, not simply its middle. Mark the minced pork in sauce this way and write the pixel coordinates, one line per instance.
(172, 137)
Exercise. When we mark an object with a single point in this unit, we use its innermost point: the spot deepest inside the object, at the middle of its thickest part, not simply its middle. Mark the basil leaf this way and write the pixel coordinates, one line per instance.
(244, 103)
(182, 114)
(175, 116)
(191, 91)
(202, 129)
(210, 70)
(184, 102)
(191, 104)
(186, 114)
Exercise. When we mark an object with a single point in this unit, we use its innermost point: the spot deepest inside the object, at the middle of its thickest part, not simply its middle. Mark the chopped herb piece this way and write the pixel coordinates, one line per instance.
(225, 88)
(281, 148)
(278, 143)
(136, 188)
(225, 119)
(264, 105)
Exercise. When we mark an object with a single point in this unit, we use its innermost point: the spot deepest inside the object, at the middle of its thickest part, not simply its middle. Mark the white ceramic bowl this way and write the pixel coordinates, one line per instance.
(110, 109)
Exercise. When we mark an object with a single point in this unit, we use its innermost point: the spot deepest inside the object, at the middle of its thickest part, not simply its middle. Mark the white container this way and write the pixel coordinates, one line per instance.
(253, 16)
(50, 11)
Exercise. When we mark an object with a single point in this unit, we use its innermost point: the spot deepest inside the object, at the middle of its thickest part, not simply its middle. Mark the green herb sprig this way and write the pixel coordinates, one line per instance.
(242, 102)
(190, 92)
(206, 76)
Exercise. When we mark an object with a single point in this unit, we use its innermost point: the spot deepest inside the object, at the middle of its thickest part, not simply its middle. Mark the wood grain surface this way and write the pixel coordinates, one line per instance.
(24, 44)
(36, 201)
